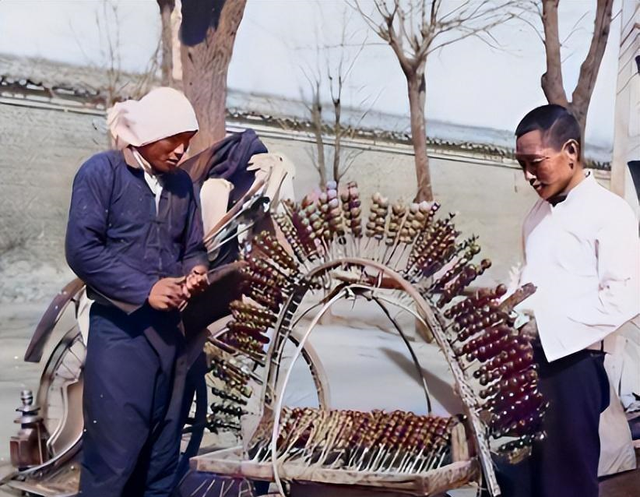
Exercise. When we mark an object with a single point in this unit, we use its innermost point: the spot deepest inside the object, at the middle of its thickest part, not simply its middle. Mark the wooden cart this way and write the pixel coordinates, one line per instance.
(319, 481)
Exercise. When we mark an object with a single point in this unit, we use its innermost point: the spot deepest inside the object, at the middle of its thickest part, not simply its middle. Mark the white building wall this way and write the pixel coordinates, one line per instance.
(626, 145)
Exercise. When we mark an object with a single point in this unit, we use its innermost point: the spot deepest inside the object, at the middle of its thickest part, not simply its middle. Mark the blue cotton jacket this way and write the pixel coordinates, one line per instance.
(116, 241)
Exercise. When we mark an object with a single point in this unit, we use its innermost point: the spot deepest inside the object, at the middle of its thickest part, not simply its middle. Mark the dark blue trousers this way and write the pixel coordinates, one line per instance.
(132, 397)
(565, 463)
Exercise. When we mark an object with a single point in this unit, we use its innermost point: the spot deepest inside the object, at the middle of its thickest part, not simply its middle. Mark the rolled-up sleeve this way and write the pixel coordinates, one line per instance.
(86, 247)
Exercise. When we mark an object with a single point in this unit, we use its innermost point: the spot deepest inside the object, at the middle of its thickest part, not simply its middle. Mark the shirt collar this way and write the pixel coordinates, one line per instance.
(577, 191)
(129, 158)
(134, 159)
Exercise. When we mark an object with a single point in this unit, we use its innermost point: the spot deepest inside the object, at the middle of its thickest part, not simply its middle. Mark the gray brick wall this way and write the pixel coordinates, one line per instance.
(43, 148)
(41, 151)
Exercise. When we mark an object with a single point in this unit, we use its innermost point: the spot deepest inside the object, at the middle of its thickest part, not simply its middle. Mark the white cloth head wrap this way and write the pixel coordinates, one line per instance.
(161, 113)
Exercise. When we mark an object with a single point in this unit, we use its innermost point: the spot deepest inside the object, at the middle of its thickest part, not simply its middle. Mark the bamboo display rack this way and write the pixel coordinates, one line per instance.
(399, 257)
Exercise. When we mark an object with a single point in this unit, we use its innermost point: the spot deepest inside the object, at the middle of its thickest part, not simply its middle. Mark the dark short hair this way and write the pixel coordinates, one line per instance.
(556, 124)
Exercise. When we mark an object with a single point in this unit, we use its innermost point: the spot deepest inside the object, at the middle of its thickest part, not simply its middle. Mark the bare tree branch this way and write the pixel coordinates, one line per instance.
(348, 162)
(552, 82)
(166, 64)
(536, 29)
(576, 27)
(316, 123)
(437, 29)
(581, 96)
(330, 157)
(118, 83)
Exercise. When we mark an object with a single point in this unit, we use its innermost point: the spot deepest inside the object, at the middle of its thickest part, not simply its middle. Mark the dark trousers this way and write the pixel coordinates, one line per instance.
(131, 441)
(565, 463)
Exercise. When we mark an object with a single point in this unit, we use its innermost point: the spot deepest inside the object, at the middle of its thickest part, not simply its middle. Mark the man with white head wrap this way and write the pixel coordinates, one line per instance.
(135, 237)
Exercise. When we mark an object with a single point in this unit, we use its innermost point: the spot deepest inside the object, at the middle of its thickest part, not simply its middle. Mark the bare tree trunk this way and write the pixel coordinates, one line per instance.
(166, 62)
(204, 75)
(417, 90)
(411, 28)
(552, 83)
(581, 97)
(337, 140)
(581, 117)
(316, 121)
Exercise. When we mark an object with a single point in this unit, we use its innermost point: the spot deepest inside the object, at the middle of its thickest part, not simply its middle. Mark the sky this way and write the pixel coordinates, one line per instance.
(468, 83)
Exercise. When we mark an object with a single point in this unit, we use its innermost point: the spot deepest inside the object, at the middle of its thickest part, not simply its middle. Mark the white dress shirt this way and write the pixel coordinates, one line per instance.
(584, 257)
(153, 180)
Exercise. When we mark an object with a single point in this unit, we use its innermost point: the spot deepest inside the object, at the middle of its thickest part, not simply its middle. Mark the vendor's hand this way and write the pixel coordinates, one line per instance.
(167, 294)
(197, 281)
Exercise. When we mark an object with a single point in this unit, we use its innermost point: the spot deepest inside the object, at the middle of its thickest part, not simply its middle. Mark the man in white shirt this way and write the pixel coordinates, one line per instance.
(582, 253)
